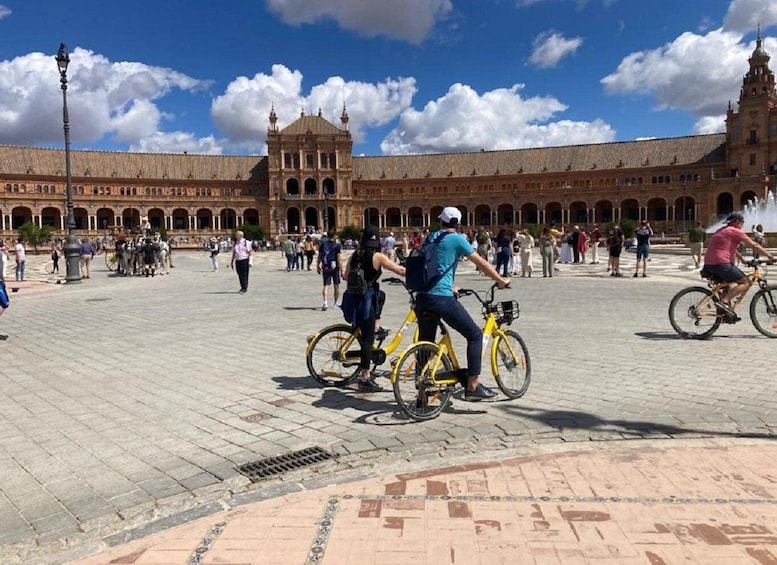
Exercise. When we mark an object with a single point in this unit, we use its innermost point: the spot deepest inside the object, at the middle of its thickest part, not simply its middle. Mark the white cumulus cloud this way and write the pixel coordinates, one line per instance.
(549, 47)
(5, 11)
(242, 111)
(463, 120)
(695, 73)
(104, 98)
(746, 15)
(406, 20)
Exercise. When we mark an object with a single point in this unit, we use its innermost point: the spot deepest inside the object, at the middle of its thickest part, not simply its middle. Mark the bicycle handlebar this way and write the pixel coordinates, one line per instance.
(756, 262)
(477, 294)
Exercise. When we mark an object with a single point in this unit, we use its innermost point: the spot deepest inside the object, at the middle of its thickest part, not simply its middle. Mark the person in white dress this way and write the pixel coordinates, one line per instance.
(566, 248)
(527, 243)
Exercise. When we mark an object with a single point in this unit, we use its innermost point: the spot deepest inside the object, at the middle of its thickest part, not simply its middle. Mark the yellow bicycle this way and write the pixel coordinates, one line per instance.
(334, 353)
(425, 376)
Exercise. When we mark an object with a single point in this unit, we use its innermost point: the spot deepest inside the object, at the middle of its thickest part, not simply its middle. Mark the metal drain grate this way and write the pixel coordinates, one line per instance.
(272, 466)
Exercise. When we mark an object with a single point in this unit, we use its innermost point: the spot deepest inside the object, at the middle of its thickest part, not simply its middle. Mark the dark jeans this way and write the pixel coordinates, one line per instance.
(241, 267)
(430, 309)
(502, 262)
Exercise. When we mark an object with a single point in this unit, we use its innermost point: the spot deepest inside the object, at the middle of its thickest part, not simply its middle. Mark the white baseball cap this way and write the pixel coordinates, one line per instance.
(449, 214)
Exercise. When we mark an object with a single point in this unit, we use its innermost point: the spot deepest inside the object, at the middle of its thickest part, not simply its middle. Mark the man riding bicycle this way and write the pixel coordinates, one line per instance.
(441, 301)
(720, 257)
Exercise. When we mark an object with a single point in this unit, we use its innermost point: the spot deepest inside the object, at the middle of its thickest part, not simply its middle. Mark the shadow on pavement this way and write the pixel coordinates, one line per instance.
(572, 419)
(296, 383)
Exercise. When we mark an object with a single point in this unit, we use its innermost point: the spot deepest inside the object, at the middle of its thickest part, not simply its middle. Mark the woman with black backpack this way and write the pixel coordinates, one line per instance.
(363, 300)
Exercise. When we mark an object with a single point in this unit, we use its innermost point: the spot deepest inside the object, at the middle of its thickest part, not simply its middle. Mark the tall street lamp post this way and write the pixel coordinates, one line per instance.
(516, 215)
(71, 244)
(685, 212)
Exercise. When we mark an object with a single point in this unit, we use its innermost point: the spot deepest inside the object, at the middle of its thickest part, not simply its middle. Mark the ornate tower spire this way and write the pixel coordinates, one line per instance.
(344, 117)
(273, 119)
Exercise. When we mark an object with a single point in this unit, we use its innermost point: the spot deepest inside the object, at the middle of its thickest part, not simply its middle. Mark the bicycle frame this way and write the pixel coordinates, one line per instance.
(491, 331)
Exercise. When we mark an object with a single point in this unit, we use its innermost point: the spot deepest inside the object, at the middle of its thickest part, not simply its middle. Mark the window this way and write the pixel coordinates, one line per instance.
(309, 161)
(287, 160)
(752, 139)
(752, 158)
(323, 161)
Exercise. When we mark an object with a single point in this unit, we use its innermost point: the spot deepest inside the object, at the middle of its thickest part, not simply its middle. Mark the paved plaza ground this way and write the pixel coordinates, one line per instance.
(126, 403)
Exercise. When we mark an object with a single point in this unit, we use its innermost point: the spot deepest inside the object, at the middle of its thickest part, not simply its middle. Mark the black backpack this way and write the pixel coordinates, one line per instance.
(357, 282)
(422, 268)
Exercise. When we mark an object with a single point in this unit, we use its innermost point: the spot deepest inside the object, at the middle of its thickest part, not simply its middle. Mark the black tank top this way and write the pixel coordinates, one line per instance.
(370, 273)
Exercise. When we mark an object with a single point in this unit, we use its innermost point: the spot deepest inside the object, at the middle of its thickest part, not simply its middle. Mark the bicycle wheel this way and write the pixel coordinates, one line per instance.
(693, 316)
(324, 356)
(510, 358)
(412, 377)
(763, 311)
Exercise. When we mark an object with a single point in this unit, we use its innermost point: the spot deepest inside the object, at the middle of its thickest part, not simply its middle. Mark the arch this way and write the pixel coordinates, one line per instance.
(690, 209)
(630, 209)
(156, 217)
(415, 217)
(51, 216)
(104, 218)
(330, 221)
(81, 217)
(251, 217)
(529, 213)
(20, 215)
(603, 211)
(371, 217)
(292, 187)
(505, 215)
(435, 212)
(229, 219)
(293, 220)
(204, 219)
(328, 185)
(393, 217)
(180, 219)
(747, 197)
(482, 215)
(656, 210)
(578, 212)
(130, 218)
(724, 204)
(553, 213)
(311, 217)
(464, 214)
(311, 186)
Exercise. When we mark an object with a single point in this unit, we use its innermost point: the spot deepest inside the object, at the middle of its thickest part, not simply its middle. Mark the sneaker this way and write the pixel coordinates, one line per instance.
(324, 307)
(369, 385)
(479, 393)
(635, 275)
(644, 275)
(726, 309)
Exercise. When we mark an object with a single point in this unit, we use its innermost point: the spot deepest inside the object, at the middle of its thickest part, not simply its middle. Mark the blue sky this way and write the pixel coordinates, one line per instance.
(416, 76)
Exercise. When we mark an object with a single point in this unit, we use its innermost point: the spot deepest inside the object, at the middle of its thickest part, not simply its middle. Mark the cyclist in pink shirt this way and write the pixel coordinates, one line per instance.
(722, 253)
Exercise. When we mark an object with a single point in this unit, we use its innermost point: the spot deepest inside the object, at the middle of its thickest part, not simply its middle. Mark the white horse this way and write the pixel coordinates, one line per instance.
(162, 258)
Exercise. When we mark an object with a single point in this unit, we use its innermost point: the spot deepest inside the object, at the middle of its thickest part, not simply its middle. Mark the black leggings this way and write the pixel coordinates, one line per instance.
(367, 331)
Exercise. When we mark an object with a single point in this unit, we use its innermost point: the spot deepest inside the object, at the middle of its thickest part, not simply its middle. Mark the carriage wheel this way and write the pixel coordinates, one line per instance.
(111, 261)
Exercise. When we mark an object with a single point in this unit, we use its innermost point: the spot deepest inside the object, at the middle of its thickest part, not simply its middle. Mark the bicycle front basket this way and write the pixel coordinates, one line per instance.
(507, 311)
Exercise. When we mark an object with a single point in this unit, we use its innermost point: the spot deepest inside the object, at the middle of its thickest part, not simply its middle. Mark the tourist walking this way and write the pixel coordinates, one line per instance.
(758, 237)
(389, 246)
(310, 251)
(614, 248)
(85, 256)
(329, 266)
(696, 238)
(213, 247)
(526, 242)
(55, 257)
(3, 259)
(575, 243)
(21, 258)
(503, 250)
(643, 233)
(241, 255)
(547, 243)
(596, 237)
(288, 251)
(582, 244)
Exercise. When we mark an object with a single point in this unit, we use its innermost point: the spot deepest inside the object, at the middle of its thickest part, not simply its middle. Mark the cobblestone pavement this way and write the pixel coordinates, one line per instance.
(127, 403)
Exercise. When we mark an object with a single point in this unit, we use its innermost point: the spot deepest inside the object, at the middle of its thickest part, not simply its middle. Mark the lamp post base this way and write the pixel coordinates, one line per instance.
(72, 257)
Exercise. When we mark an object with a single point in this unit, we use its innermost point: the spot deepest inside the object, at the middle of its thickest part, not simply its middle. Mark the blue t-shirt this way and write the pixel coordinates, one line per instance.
(450, 250)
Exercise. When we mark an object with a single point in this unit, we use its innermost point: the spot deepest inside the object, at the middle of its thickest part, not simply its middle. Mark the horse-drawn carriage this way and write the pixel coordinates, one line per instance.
(136, 254)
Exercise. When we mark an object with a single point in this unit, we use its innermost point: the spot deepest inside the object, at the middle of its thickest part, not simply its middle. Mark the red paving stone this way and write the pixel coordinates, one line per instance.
(654, 502)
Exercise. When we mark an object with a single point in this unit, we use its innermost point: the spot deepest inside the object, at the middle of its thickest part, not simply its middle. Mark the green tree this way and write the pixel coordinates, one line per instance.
(34, 235)
(350, 232)
(252, 232)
